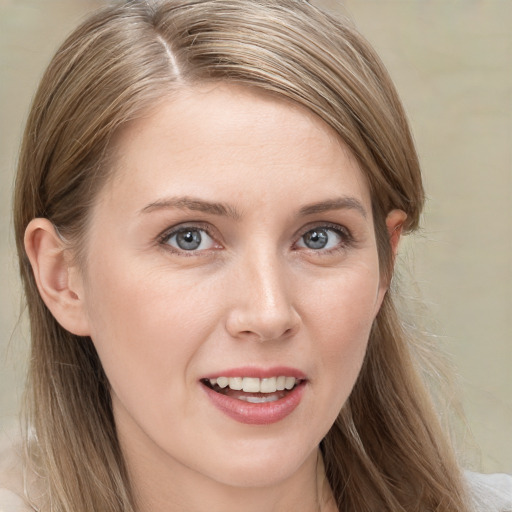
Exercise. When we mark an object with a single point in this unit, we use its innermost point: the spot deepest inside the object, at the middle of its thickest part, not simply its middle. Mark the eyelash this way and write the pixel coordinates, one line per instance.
(346, 238)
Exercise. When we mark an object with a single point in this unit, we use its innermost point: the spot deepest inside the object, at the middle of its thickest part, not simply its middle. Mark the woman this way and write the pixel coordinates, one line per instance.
(209, 201)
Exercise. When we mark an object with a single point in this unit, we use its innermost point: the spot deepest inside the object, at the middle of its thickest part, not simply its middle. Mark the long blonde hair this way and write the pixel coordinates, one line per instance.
(386, 451)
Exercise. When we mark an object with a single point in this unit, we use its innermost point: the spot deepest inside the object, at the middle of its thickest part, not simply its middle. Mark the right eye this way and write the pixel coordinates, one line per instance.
(189, 239)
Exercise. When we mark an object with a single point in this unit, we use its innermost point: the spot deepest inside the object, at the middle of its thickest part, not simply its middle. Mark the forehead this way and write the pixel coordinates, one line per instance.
(233, 141)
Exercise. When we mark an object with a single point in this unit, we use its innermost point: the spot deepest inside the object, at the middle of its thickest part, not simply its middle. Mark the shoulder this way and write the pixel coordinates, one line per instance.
(490, 493)
(11, 475)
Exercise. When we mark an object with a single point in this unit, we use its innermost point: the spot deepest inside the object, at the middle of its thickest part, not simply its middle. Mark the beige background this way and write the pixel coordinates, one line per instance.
(452, 63)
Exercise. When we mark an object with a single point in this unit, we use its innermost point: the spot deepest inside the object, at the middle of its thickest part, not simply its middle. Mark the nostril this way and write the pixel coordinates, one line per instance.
(250, 322)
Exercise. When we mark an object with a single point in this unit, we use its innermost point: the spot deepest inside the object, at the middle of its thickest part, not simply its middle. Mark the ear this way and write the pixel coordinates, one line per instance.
(395, 223)
(58, 281)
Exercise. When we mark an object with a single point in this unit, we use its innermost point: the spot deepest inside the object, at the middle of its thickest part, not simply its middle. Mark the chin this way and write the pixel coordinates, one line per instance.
(260, 467)
(254, 477)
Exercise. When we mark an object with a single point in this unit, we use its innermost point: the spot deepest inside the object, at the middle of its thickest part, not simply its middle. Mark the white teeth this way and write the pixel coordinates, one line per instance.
(251, 385)
(255, 385)
(289, 383)
(259, 399)
(236, 383)
(222, 382)
(269, 385)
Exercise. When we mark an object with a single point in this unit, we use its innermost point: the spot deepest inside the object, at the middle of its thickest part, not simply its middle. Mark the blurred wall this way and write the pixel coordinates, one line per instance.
(452, 63)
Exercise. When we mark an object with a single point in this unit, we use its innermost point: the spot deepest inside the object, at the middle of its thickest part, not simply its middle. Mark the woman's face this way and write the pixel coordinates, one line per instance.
(234, 243)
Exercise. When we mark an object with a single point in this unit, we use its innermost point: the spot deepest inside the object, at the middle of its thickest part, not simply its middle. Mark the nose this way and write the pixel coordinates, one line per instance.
(262, 306)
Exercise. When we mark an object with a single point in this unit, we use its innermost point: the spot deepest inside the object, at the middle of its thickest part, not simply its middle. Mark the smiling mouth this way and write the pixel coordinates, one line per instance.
(252, 389)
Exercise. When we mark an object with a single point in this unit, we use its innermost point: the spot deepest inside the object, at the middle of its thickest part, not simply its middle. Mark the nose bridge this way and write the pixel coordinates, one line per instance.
(263, 305)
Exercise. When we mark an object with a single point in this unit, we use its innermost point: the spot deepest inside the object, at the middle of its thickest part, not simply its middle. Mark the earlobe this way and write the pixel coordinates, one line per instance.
(56, 279)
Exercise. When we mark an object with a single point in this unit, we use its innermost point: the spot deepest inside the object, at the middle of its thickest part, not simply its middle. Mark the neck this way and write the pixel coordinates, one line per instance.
(162, 484)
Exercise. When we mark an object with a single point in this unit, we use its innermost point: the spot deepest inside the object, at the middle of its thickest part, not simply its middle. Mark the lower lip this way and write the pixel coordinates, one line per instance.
(256, 414)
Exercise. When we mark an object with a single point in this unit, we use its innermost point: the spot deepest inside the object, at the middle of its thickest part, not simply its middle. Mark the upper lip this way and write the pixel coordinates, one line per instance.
(257, 372)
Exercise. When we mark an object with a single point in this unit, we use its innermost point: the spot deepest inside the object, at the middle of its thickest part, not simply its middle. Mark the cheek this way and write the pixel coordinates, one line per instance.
(146, 327)
(340, 321)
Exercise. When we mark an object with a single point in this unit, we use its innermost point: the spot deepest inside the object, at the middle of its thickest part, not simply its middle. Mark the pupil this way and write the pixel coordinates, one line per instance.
(188, 240)
(316, 239)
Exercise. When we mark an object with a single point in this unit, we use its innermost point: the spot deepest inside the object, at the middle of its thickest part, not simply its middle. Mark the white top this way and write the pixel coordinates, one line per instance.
(491, 493)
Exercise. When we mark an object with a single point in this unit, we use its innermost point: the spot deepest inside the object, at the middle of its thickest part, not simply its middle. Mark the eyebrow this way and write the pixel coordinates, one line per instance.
(339, 203)
(222, 209)
(190, 203)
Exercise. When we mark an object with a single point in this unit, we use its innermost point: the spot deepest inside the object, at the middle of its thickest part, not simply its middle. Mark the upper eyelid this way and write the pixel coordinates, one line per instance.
(325, 225)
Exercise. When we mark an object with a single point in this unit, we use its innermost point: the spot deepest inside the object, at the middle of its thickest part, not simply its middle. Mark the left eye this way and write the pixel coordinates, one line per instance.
(320, 238)
(190, 239)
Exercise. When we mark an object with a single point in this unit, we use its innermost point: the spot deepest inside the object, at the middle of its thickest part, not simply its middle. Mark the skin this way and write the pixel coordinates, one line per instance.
(253, 294)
